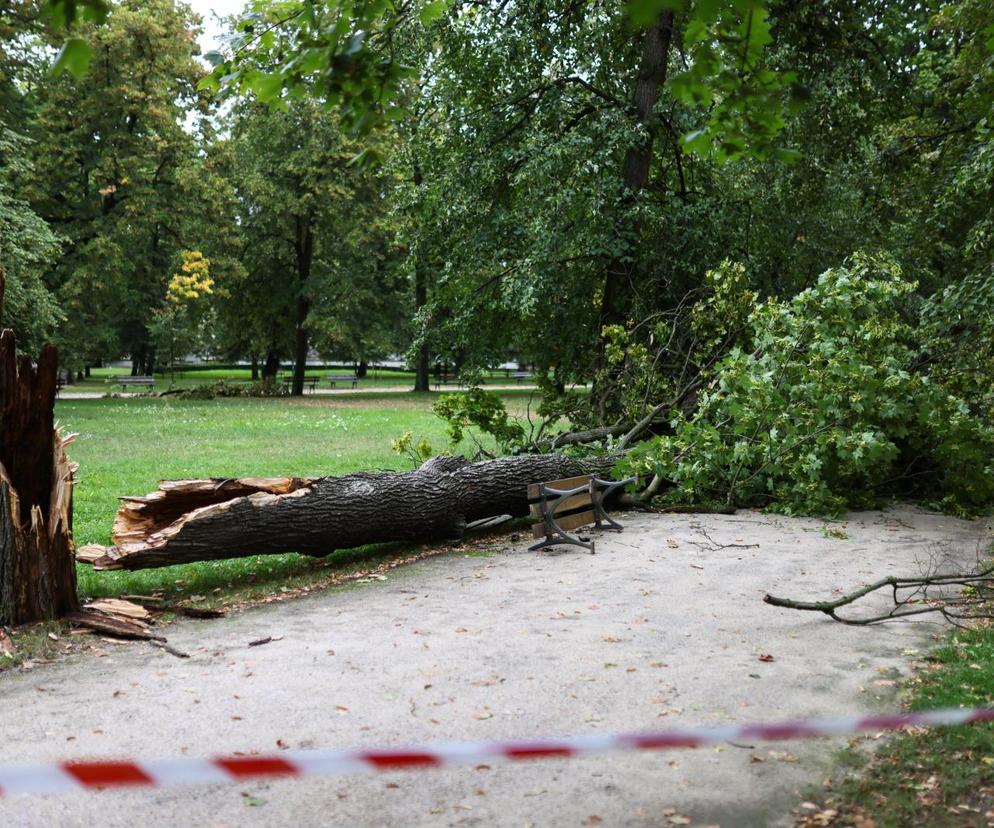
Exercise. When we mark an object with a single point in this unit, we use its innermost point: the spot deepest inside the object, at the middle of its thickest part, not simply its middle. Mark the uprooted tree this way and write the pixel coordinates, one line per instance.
(37, 570)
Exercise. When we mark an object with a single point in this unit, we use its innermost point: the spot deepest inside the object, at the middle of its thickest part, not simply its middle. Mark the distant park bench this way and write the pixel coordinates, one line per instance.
(561, 505)
(133, 382)
(309, 382)
(335, 378)
(447, 379)
(521, 376)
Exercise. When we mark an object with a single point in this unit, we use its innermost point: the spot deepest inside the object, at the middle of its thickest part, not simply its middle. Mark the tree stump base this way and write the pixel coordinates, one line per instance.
(37, 568)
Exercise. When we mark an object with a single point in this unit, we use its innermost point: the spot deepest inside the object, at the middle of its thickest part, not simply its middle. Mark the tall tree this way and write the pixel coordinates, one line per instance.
(117, 176)
(313, 242)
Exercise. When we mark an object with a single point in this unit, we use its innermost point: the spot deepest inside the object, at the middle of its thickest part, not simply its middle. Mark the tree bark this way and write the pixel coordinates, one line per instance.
(304, 247)
(619, 285)
(37, 570)
(271, 366)
(200, 520)
(422, 382)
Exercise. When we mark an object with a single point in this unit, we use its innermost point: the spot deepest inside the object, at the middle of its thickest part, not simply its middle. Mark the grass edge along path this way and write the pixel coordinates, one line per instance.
(936, 777)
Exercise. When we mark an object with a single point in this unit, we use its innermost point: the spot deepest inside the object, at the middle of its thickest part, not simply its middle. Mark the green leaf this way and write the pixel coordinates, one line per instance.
(209, 83)
(430, 13)
(214, 58)
(266, 86)
(644, 12)
(788, 156)
(75, 56)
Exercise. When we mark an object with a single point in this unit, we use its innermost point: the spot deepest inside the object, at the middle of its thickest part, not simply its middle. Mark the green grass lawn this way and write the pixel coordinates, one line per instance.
(937, 777)
(125, 446)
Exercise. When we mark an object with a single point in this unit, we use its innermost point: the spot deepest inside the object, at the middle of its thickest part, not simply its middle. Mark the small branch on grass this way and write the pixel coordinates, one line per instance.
(910, 596)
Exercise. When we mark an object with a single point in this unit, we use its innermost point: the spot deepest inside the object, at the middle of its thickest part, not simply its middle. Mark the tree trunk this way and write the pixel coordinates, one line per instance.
(304, 246)
(271, 366)
(149, 368)
(37, 570)
(422, 382)
(362, 368)
(255, 368)
(620, 282)
(201, 520)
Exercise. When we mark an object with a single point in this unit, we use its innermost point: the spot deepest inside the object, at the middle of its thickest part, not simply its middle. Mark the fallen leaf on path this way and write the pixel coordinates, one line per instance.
(766, 657)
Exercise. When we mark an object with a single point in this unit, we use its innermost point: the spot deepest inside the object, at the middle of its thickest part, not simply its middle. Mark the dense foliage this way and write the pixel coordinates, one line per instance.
(658, 201)
(830, 403)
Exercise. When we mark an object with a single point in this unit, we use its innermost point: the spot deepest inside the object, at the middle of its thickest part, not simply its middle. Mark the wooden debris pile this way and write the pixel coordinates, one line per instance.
(133, 619)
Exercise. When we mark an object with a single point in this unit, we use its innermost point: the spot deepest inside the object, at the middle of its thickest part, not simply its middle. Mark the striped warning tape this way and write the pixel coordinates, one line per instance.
(68, 776)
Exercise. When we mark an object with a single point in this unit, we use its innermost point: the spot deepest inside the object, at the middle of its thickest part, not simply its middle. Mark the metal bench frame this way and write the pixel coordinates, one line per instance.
(599, 490)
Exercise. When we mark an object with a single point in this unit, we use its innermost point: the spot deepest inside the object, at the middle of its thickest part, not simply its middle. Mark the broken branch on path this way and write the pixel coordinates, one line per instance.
(202, 520)
(911, 596)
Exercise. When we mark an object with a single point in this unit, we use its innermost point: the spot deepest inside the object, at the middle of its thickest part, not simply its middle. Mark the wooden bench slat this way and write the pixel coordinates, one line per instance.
(535, 491)
(566, 523)
(567, 505)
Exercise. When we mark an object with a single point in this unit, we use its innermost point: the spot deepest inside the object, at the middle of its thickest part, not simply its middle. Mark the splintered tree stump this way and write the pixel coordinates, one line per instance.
(37, 569)
(203, 520)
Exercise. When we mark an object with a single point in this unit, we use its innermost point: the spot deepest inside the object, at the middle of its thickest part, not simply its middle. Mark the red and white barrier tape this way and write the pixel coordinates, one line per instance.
(96, 775)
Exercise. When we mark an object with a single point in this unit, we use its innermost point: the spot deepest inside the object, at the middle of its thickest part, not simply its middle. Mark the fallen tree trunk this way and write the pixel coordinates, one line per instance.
(202, 520)
(37, 570)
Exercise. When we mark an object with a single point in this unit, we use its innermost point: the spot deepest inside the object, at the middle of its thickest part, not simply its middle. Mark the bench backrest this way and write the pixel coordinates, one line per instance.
(571, 512)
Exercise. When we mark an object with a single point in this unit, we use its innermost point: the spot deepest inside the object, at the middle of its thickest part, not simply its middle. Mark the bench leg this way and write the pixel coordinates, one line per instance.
(561, 540)
(554, 533)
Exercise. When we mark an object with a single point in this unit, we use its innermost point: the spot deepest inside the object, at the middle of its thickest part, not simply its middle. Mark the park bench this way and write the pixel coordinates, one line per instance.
(133, 382)
(334, 378)
(309, 382)
(521, 376)
(448, 380)
(561, 505)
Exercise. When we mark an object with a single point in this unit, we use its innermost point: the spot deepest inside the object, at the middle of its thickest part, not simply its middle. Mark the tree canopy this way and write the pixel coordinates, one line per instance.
(658, 206)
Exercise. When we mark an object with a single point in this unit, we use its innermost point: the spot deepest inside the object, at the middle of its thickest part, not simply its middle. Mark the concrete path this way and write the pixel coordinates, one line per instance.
(660, 628)
(316, 392)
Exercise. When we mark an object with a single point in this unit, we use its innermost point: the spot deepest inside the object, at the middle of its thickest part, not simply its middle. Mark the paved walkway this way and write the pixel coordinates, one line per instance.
(319, 392)
(662, 627)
